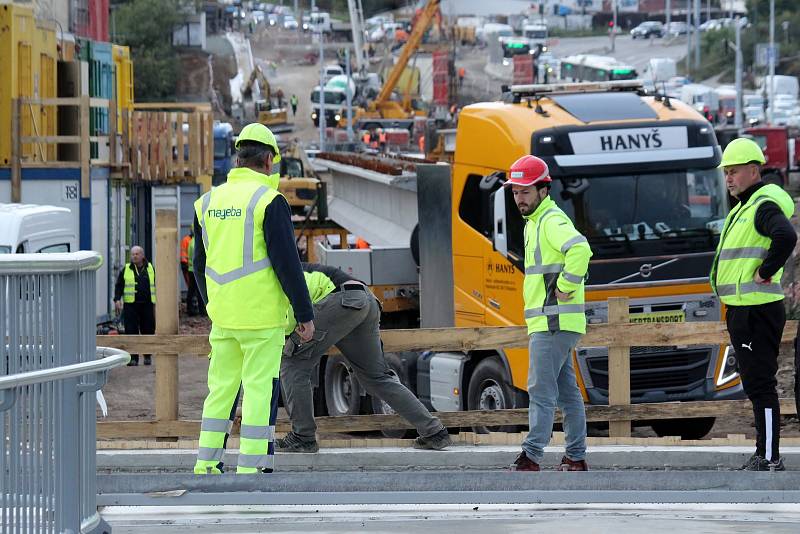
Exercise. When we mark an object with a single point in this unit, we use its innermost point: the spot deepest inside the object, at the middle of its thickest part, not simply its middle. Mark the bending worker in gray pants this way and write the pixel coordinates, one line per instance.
(346, 314)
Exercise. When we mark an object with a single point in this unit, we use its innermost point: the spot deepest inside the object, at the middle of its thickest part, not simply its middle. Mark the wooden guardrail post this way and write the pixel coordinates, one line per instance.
(619, 369)
(166, 262)
(86, 148)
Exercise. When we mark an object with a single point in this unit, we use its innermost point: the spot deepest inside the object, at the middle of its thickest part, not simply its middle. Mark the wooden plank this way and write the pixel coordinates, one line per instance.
(96, 102)
(16, 152)
(478, 338)
(194, 148)
(166, 260)
(180, 165)
(74, 101)
(134, 148)
(619, 368)
(208, 168)
(85, 148)
(180, 106)
(519, 416)
(50, 139)
(170, 138)
(126, 133)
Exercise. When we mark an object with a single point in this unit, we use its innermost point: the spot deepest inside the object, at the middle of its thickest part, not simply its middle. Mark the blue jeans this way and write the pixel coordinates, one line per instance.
(551, 381)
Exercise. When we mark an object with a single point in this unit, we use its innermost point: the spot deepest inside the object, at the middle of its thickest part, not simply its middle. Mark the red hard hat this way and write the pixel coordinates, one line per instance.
(528, 171)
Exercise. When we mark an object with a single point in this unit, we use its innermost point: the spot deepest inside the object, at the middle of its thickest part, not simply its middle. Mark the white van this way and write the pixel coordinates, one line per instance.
(27, 228)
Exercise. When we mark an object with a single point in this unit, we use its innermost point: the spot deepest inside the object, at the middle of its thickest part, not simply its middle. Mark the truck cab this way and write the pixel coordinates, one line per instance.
(29, 228)
(223, 151)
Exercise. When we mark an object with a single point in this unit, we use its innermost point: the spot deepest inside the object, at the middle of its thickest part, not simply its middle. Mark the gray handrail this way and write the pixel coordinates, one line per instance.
(51, 263)
(109, 359)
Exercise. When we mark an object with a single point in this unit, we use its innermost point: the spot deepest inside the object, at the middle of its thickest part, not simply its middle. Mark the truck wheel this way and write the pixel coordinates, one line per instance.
(489, 390)
(696, 428)
(380, 406)
(341, 389)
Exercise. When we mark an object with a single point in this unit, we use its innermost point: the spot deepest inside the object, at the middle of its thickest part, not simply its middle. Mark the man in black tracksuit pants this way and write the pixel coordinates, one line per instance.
(755, 329)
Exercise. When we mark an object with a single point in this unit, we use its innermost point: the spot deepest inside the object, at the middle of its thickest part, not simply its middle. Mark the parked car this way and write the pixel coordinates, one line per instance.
(290, 23)
(676, 28)
(647, 29)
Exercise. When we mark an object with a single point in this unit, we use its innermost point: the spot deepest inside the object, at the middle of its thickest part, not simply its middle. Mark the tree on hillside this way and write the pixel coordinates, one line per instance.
(146, 26)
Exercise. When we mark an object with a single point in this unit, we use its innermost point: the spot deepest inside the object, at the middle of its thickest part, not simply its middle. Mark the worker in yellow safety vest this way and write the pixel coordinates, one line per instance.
(556, 264)
(248, 272)
(135, 298)
(756, 241)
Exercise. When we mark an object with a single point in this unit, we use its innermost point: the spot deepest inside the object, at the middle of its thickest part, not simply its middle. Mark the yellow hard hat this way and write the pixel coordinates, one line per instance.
(741, 151)
(255, 131)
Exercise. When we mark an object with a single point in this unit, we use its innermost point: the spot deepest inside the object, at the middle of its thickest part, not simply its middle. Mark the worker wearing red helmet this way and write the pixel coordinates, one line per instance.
(556, 263)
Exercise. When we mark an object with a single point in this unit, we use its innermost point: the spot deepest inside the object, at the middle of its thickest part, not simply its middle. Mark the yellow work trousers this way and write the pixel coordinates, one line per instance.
(251, 358)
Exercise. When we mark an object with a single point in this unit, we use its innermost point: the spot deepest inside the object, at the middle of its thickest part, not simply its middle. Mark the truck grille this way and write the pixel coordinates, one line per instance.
(671, 371)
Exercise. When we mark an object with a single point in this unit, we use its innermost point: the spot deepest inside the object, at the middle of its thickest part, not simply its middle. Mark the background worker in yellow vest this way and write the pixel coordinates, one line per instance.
(248, 271)
(755, 243)
(556, 263)
(135, 298)
(346, 314)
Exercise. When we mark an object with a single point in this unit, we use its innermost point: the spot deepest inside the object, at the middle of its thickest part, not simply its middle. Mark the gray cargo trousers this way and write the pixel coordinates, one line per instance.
(349, 319)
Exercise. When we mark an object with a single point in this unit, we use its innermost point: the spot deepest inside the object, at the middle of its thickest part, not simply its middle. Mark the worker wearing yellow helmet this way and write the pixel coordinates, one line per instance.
(248, 272)
(755, 243)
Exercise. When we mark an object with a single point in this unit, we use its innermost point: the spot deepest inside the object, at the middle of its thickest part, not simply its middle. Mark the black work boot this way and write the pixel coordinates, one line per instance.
(436, 442)
(294, 443)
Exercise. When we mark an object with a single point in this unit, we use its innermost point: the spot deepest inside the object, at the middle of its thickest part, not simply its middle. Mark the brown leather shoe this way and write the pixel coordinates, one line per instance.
(523, 463)
(573, 465)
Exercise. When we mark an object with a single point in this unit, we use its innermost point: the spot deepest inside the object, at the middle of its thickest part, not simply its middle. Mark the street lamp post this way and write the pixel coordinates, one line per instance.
(771, 62)
(321, 90)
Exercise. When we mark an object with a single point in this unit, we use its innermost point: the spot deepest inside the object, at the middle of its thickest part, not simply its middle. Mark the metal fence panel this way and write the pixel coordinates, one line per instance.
(47, 426)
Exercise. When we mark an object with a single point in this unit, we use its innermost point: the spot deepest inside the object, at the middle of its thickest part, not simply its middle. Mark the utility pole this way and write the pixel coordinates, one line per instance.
(348, 95)
(321, 90)
(614, 27)
(689, 33)
(771, 61)
(737, 117)
(697, 34)
(668, 9)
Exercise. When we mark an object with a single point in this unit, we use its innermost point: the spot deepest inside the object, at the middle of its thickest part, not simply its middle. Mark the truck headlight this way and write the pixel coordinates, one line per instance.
(728, 371)
(314, 116)
(337, 117)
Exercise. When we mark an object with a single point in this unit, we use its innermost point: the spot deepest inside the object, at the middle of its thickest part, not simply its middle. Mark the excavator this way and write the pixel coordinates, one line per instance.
(270, 109)
(383, 111)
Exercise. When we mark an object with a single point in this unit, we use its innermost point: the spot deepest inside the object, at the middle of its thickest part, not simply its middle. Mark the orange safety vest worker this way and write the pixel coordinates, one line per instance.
(422, 143)
(361, 244)
(185, 248)
(382, 138)
(365, 138)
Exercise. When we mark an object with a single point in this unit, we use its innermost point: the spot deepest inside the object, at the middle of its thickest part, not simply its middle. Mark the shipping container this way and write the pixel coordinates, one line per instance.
(28, 62)
(99, 80)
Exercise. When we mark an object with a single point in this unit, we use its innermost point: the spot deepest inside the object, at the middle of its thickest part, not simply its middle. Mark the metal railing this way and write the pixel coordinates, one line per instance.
(48, 365)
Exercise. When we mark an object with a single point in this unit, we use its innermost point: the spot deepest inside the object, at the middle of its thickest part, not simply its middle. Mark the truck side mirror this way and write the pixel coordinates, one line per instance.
(574, 187)
(499, 223)
(492, 181)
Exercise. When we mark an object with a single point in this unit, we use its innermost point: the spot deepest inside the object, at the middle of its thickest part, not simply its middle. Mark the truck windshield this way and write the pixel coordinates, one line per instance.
(684, 207)
(330, 97)
(5, 249)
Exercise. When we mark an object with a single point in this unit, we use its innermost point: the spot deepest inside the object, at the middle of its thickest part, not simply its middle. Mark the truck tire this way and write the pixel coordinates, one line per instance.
(342, 391)
(695, 428)
(380, 407)
(489, 389)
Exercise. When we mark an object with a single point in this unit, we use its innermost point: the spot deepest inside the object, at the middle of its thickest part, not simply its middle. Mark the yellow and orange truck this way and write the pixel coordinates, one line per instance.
(639, 176)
